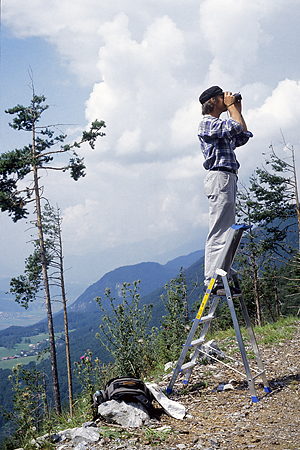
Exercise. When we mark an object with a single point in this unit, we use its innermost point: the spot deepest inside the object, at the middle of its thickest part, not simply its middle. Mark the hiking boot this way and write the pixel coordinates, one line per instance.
(220, 291)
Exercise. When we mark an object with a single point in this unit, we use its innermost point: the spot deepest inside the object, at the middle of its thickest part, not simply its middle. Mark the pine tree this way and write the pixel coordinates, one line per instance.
(276, 206)
(252, 253)
(26, 287)
(18, 164)
(271, 206)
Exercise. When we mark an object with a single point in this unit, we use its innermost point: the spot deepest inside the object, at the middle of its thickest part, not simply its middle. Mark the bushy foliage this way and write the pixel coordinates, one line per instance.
(91, 373)
(29, 401)
(175, 324)
(92, 376)
(125, 332)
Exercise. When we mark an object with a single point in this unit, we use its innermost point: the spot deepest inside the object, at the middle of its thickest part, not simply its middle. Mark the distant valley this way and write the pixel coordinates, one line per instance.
(85, 317)
(153, 275)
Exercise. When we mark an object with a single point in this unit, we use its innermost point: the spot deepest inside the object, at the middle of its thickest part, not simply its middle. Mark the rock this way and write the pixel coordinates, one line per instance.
(82, 446)
(128, 415)
(89, 424)
(164, 428)
(88, 435)
(225, 387)
(66, 434)
(169, 365)
(211, 349)
(214, 443)
(54, 438)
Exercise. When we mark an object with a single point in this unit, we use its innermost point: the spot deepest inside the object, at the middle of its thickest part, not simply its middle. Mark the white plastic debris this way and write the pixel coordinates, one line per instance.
(174, 409)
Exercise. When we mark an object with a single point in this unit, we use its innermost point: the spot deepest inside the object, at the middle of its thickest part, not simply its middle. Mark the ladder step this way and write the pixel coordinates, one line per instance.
(207, 318)
(188, 366)
(196, 342)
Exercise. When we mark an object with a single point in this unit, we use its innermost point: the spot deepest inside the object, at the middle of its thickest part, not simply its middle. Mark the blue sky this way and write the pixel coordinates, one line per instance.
(140, 67)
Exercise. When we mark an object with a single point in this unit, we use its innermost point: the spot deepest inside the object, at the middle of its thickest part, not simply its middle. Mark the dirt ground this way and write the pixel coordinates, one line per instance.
(228, 419)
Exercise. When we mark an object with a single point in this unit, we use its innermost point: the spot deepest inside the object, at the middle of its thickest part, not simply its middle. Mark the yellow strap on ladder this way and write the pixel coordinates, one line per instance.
(202, 306)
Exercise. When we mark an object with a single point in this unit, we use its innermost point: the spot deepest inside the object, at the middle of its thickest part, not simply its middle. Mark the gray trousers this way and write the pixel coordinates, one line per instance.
(220, 189)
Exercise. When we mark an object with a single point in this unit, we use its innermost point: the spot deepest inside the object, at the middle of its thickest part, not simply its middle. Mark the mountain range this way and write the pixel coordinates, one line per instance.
(152, 275)
(85, 310)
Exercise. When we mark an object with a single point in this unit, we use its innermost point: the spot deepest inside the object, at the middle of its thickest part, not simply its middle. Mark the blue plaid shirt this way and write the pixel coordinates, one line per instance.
(218, 140)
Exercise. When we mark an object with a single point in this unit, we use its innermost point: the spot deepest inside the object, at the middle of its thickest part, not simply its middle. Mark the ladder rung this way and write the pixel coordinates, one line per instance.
(196, 342)
(258, 375)
(188, 366)
(207, 318)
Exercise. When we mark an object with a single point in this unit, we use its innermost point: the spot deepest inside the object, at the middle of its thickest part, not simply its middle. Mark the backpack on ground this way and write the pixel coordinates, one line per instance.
(125, 388)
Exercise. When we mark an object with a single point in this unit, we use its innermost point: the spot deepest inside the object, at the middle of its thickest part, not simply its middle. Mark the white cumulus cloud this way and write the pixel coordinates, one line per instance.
(146, 65)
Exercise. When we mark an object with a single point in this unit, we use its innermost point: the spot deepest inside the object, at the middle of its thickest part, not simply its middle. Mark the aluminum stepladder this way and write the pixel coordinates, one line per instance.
(233, 241)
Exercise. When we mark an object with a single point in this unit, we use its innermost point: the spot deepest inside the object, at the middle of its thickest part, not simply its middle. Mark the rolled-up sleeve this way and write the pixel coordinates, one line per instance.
(223, 129)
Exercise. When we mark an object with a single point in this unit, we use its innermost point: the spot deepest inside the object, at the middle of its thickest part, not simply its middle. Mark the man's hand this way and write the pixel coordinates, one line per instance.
(229, 99)
(234, 108)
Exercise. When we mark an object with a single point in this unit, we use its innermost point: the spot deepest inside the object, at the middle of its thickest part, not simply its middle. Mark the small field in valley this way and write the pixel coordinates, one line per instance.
(29, 346)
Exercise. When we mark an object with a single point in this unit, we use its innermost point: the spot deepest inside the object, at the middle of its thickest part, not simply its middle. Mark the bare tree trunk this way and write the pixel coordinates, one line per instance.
(255, 282)
(185, 300)
(46, 282)
(63, 291)
(45, 394)
(296, 195)
(257, 301)
(276, 291)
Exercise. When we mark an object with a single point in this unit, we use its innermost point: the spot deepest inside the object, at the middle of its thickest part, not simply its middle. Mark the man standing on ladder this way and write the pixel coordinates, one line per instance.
(218, 139)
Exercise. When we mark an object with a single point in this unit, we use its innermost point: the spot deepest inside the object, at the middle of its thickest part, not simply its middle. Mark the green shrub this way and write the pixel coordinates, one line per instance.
(125, 332)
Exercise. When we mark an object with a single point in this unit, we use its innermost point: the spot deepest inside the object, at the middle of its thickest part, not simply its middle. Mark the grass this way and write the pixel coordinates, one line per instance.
(157, 373)
(274, 333)
(9, 364)
(271, 333)
(114, 433)
(155, 436)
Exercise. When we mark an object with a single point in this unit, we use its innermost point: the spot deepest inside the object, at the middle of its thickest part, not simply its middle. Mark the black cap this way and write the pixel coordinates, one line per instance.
(210, 93)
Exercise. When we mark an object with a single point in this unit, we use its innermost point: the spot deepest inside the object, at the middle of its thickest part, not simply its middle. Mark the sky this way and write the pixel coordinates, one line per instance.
(140, 66)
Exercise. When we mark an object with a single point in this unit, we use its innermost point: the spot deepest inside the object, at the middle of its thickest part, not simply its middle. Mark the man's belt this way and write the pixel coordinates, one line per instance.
(224, 169)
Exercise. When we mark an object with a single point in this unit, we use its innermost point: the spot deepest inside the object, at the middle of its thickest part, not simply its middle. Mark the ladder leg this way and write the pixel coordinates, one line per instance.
(253, 339)
(182, 356)
(240, 340)
(202, 337)
(190, 337)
